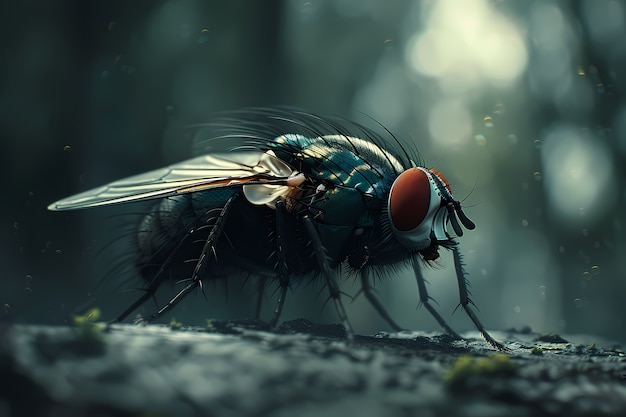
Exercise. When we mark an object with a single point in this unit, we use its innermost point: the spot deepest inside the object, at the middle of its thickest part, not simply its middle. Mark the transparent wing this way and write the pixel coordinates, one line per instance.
(259, 169)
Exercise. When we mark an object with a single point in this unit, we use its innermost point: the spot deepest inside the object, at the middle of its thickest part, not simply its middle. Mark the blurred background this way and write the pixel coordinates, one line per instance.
(519, 103)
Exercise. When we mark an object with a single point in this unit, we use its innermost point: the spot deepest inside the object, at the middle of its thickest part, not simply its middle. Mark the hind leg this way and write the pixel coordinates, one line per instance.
(156, 281)
(200, 270)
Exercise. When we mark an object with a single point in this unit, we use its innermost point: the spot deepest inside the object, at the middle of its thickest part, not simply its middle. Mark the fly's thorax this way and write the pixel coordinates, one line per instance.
(416, 208)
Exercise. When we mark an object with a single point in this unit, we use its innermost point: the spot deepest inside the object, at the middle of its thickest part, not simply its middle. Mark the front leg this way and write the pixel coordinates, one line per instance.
(425, 298)
(465, 300)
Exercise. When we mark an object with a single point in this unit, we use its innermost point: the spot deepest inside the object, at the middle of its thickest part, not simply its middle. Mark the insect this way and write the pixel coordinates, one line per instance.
(284, 195)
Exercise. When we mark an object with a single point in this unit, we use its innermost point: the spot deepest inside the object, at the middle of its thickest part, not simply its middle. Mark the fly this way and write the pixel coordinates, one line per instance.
(285, 194)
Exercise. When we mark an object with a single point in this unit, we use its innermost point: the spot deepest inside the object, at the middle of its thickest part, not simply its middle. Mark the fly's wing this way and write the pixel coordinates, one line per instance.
(254, 169)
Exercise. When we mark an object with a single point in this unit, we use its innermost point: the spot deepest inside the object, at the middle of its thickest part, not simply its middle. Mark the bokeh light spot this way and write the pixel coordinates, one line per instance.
(577, 172)
(466, 44)
(450, 122)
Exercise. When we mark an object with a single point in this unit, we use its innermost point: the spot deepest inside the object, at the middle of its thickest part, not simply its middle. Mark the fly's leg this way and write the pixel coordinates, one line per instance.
(329, 274)
(465, 300)
(148, 292)
(281, 266)
(199, 271)
(425, 299)
(371, 297)
(156, 281)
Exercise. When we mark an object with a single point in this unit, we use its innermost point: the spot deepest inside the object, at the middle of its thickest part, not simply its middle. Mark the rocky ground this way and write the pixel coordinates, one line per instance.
(305, 369)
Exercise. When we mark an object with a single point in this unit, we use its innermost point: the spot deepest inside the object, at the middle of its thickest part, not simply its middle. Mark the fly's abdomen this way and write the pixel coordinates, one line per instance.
(171, 237)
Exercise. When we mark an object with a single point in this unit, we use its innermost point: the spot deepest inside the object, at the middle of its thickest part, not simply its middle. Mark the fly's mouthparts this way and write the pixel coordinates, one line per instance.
(453, 220)
(469, 225)
(454, 209)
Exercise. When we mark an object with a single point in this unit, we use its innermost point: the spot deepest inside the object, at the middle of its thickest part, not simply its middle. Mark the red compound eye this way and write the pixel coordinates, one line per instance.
(410, 199)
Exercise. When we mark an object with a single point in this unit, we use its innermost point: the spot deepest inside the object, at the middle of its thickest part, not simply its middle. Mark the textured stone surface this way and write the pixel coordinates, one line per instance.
(238, 370)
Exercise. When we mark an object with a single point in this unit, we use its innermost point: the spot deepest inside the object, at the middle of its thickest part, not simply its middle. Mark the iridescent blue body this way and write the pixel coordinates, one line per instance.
(350, 214)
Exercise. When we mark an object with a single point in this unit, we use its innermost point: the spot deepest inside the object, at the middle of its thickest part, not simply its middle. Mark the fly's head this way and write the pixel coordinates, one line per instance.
(422, 212)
